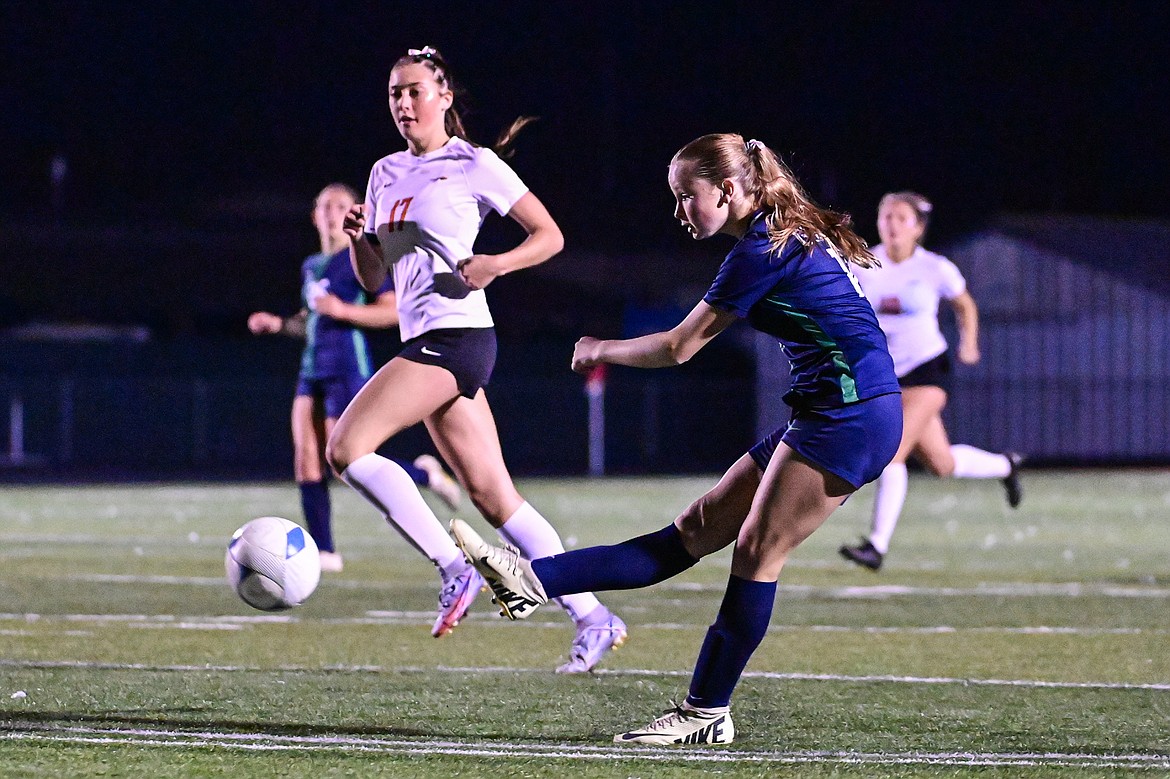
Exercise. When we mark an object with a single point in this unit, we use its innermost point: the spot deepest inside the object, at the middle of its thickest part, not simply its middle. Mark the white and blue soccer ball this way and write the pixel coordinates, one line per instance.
(272, 564)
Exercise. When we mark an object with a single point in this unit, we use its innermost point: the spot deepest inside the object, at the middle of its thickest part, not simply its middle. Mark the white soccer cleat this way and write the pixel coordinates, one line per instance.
(591, 644)
(517, 590)
(439, 481)
(331, 562)
(455, 599)
(685, 724)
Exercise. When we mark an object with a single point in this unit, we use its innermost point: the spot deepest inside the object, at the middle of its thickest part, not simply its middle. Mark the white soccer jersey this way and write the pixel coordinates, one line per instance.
(905, 296)
(426, 212)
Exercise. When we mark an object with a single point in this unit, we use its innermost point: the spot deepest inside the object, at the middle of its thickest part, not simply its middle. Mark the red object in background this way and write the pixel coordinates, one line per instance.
(595, 380)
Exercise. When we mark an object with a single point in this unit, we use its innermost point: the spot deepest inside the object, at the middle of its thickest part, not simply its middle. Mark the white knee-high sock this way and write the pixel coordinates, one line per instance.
(387, 486)
(972, 463)
(532, 534)
(887, 505)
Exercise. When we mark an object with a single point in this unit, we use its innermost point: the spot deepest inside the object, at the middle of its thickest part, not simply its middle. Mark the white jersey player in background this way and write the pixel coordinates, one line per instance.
(424, 208)
(905, 292)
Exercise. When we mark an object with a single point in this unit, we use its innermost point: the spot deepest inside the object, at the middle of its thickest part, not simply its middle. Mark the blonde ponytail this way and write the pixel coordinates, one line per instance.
(789, 211)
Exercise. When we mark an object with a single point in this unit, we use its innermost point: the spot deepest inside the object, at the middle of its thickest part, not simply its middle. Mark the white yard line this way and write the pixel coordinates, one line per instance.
(857, 592)
(424, 618)
(639, 672)
(253, 741)
(982, 590)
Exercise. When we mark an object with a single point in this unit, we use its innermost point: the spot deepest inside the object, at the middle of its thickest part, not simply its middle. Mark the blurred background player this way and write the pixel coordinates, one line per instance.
(423, 210)
(905, 291)
(335, 363)
(788, 276)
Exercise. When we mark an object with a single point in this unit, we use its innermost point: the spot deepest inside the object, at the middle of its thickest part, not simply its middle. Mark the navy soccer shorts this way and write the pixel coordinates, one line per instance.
(854, 442)
(469, 353)
(333, 392)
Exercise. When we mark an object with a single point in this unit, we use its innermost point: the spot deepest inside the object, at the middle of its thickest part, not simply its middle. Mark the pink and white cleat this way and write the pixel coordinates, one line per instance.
(455, 599)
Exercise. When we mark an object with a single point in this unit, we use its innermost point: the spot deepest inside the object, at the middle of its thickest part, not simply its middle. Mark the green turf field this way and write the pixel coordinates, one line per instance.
(1025, 643)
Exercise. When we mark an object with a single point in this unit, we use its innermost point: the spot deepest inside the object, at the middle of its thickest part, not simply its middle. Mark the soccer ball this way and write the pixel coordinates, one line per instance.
(272, 564)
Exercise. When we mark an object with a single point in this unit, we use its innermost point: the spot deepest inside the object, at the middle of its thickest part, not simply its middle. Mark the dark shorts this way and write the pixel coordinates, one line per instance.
(854, 442)
(469, 353)
(332, 392)
(932, 373)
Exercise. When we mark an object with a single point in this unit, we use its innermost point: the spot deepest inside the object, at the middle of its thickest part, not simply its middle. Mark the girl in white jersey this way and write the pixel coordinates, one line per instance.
(424, 208)
(905, 292)
(335, 364)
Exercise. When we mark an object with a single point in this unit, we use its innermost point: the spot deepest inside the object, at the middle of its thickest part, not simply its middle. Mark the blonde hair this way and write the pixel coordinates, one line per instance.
(921, 205)
(770, 185)
(345, 189)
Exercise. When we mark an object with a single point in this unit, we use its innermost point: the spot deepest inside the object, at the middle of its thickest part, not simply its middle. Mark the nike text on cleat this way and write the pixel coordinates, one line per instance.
(863, 554)
(455, 599)
(591, 644)
(517, 590)
(685, 724)
(1011, 482)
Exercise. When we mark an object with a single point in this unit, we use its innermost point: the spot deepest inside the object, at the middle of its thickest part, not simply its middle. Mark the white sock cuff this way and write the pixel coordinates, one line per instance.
(975, 463)
(531, 533)
(887, 505)
(363, 467)
(389, 488)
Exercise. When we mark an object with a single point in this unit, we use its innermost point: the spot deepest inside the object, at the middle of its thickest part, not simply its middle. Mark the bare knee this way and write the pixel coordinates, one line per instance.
(337, 460)
(701, 535)
(690, 527)
(944, 469)
(307, 469)
(753, 559)
(306, 461)
(936, 459)
(339, 453)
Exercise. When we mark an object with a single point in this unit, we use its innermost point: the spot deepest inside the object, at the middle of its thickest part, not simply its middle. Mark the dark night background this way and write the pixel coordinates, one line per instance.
(195, 136)
(170, 109)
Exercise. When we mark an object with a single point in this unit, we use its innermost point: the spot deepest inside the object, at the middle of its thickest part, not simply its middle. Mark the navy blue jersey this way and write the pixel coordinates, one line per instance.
(806, 297)
(332, 348)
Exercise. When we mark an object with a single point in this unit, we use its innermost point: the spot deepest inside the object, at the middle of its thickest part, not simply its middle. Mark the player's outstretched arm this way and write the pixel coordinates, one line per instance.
(295, 326)
(381, 313)
(264, 323)
(657, 350)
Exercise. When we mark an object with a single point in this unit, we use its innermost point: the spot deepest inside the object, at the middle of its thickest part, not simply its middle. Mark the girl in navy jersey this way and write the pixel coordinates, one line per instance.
(423, 210)
(905, 291)
(335, 363)
(788, 276)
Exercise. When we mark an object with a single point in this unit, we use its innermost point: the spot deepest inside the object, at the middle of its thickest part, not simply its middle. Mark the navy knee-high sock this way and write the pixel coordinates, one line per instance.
(638, 562)
(737, 631)
(318, 516)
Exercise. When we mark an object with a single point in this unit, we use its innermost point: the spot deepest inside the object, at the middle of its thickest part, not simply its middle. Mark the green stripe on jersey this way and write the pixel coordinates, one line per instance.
(362, 354)
(806, 324)
(309, 355)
